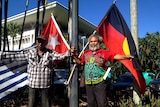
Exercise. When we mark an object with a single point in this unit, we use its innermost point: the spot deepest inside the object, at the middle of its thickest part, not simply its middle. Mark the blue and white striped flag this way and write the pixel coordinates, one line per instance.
(13, 75)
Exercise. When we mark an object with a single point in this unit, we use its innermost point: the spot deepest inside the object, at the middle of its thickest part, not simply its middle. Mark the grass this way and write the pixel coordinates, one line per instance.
(147, 101)
(20, 99)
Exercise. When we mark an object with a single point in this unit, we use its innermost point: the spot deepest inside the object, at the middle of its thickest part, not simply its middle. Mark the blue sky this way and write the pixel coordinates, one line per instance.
(95, 10)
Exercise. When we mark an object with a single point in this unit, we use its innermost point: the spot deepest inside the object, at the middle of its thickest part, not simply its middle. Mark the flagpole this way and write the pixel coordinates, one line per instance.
(5, 26)
(73, 34)
(24, 19)
(71, 74)
(0, 24)
(37, 21)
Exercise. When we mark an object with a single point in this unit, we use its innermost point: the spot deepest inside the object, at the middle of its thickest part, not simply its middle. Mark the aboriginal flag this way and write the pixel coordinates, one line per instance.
(118, 39)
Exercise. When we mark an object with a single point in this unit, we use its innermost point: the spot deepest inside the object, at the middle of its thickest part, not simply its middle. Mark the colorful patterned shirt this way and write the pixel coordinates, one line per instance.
(40, 69)
(95, 65)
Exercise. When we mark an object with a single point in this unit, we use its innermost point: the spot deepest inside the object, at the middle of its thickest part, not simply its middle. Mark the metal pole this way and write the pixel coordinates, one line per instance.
(71, 74)
(23, 24)
(134, 22)
(5, 26)
(83, 37)
(0, 24)
(134, 31)
(37, 21)
(73, 33)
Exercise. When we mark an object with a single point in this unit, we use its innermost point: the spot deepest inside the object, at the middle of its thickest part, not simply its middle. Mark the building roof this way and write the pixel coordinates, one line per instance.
(60, 13)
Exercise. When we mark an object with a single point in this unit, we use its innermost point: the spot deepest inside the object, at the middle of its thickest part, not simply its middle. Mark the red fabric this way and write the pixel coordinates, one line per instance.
(118, 39)
(54, 37)
(108, 56)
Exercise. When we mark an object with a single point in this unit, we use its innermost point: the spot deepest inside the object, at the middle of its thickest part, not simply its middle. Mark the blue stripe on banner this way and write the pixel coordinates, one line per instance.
(5, 98)
(10, 95)
(13, 84)
(12, 68)
(10, 77)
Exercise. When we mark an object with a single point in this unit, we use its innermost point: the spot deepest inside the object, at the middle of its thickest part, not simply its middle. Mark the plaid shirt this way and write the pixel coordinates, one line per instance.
(39, 70)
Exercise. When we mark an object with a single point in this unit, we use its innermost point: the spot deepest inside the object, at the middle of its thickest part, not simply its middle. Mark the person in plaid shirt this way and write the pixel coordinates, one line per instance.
(40, 69)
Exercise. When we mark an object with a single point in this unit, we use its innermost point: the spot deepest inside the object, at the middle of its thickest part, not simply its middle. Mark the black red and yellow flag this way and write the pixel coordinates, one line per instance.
(118, 39)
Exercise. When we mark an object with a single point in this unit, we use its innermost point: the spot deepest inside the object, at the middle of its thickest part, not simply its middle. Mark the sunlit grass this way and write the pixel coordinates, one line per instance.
(147, 101)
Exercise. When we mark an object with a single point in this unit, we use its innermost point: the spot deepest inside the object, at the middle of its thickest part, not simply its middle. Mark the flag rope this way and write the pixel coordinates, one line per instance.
(26, 9)
(71, 74)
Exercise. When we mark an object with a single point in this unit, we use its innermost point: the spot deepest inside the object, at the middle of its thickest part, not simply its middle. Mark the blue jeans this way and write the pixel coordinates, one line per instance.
(33, 97)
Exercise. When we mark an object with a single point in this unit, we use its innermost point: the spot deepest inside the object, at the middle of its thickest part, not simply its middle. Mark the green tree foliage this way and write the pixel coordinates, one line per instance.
(149, 52)
(149, 56)
(13, 29)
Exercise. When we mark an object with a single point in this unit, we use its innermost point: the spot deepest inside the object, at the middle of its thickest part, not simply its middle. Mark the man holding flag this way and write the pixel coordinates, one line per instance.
(118, 39)
(94, 61)
(50, 47)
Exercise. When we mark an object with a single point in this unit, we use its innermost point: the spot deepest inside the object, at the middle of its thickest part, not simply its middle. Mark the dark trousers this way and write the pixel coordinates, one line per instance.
(97, 95)
(33, 97)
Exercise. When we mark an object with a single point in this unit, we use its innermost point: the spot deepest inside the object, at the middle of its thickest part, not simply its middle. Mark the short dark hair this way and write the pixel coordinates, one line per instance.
(41, 37)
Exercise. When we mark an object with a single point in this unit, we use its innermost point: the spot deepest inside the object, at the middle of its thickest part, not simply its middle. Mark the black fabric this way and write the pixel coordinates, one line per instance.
(97, 95)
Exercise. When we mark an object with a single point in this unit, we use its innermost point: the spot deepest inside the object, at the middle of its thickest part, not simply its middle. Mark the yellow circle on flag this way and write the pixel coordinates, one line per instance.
(126, 49)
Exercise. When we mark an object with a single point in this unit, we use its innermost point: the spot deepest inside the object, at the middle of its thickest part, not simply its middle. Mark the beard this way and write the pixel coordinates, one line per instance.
(94, 47)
